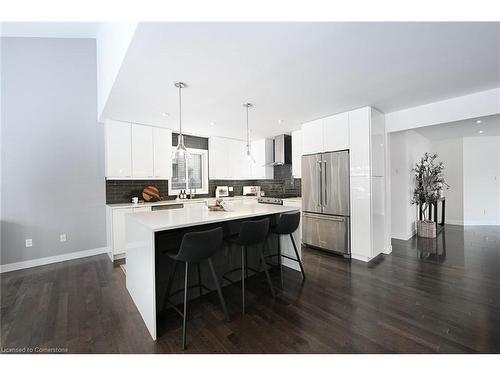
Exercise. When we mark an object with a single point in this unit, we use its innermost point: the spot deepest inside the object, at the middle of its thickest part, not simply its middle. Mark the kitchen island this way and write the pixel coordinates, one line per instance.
(150, 234)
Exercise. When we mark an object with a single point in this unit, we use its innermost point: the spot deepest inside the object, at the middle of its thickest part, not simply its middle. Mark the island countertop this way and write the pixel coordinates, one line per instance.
(198, 215)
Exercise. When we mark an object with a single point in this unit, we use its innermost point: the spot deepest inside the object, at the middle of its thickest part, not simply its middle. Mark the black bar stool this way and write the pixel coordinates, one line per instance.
(287, 224)
(195, 247)
(252, 233)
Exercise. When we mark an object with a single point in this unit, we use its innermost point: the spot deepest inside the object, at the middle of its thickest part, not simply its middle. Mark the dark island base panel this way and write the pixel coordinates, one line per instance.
(229, 257)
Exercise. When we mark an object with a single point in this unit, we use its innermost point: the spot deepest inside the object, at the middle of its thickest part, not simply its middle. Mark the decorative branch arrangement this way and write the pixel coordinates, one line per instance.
(430, 181)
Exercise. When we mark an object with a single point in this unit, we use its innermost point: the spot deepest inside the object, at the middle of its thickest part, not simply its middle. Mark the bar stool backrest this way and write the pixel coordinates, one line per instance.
(253, 232)
(197, 246)
(287, 223)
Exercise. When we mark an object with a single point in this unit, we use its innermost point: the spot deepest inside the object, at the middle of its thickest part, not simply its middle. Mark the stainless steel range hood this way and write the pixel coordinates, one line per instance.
(282, 149)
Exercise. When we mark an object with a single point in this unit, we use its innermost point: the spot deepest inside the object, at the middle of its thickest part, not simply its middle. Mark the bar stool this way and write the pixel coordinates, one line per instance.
(195, 247)
(287, 224)
(252, 233)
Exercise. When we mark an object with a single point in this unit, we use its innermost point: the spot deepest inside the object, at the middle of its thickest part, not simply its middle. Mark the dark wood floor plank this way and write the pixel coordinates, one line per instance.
(408, 302)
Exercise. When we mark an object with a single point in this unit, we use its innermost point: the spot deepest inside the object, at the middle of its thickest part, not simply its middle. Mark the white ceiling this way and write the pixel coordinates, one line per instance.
(50, 29)
(296, 72)
(489, 126)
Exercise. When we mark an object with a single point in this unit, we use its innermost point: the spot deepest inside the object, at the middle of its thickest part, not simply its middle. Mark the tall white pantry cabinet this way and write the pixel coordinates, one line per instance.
(362, 132)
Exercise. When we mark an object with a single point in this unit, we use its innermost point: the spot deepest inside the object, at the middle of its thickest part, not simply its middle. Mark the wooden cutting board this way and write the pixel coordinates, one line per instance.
(151, 194)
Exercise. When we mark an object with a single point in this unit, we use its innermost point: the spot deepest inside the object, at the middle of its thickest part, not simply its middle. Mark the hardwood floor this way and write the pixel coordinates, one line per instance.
(412, 301)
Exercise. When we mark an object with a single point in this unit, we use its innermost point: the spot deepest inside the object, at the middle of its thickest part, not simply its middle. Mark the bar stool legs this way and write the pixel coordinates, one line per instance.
(263, 259)
(298, 257)
(219, 291)
(184, 316)
(243, 274)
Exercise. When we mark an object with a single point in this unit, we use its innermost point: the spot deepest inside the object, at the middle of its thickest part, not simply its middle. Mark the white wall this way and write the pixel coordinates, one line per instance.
(406, 149)
(481, 179)
(450, 152)
(113, 40)
(52, 149)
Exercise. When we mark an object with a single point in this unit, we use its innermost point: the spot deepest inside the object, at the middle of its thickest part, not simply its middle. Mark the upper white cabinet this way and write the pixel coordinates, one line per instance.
(262, 151)
(336, 132)
(218, 158)
(137, 151)
(367, 142)
(162, 153)
(228, 159)
(142, 151)
(118, 149)
(312, 137)
(326, 134)
(297, 153)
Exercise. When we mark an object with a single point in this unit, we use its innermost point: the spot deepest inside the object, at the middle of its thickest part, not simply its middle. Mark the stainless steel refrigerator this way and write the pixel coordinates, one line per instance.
(326, 201)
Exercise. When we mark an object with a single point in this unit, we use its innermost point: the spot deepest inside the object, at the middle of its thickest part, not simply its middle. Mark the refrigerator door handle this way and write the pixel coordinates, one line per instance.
(325, 184)
(324, 217)
(320, 191)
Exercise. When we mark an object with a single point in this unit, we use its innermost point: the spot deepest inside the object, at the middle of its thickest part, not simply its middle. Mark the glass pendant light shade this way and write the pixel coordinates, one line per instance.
(180, 155)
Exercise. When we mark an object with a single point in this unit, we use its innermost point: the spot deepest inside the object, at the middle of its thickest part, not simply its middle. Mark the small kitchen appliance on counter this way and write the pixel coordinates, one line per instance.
(221, 191)
(253, 191)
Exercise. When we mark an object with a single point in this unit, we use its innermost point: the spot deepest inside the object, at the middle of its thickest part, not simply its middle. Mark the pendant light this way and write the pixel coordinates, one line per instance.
(250, 158)
(180, 152)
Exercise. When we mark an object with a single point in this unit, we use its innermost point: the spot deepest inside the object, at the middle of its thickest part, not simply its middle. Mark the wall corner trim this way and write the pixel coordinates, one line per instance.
(53, 259)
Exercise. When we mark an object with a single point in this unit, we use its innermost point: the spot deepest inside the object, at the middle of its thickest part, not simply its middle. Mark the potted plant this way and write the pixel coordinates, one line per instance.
(430, 182)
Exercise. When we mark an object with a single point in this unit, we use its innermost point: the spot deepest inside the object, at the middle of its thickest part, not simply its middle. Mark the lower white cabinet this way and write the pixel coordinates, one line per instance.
(115, 220)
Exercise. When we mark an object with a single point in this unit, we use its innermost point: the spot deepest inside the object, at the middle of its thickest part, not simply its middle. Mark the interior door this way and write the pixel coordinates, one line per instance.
(336, 183)
(311, 183)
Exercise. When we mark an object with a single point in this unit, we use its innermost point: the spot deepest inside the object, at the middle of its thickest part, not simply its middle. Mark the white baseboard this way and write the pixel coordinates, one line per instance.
(54, 259)
(454, 222)
(403, 236)
(362, 258)
(388, 250)
(481, 223)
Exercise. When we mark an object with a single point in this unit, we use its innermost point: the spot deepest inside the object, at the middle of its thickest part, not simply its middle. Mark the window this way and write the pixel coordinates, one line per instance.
(195, 176)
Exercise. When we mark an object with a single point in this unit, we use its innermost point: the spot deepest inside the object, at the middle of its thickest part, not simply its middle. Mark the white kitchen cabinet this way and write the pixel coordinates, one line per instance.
(142, 151)
(297, 153)
(336, 132)
(162, 153)
(118, 149)
(238, 164)
(116, 234)
(367, 142)
(312, 137)
(262, 151)
(361, 229)
(218, 158)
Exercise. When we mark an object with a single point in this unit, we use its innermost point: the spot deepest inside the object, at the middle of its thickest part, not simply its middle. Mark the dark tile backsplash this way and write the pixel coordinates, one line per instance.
(191, 141)
(122, 191)
(283, 185)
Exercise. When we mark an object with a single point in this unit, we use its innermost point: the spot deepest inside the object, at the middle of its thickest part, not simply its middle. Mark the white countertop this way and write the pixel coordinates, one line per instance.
(175, 201)
(199, 215)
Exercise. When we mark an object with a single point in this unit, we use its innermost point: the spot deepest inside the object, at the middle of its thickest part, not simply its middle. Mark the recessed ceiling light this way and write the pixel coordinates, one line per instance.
(480, 132)
(165, 114)
(213, 123)
(478, 121)
(280, 121)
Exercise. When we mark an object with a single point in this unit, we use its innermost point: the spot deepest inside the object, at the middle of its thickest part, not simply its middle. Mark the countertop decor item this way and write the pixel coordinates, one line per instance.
(429, 182)
(151, 194)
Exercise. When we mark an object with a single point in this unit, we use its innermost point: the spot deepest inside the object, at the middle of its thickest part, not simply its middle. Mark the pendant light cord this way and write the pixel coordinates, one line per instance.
(180, 110)
(248, 134)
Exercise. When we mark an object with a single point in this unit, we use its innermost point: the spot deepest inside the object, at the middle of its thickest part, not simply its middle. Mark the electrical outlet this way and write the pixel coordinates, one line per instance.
(62, 237)
(28, 242)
